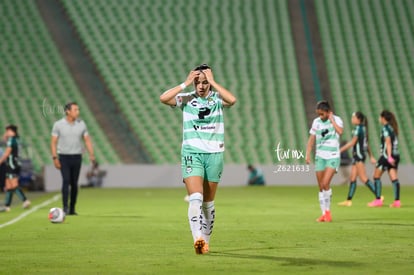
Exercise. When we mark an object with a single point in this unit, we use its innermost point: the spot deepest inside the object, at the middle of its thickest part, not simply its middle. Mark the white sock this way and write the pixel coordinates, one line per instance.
(322, 202)
(194, 214)
(327, 195)
(208, 214)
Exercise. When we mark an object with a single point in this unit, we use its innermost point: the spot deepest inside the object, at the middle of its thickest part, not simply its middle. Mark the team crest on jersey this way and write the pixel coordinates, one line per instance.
(211, 101)
(188, 169)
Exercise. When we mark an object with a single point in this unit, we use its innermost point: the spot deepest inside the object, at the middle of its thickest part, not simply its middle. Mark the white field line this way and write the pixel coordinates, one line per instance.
(30, 211)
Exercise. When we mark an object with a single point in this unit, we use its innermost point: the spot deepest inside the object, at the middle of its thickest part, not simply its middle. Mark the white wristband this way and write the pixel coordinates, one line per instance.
(183, 86)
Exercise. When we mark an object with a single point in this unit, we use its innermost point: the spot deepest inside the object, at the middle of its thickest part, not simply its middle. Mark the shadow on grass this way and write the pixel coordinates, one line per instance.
(116, 216)
(288, 261)
(385, 223)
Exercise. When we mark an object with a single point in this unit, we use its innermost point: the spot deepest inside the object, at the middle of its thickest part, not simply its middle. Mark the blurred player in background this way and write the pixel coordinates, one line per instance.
(202, 146)
(3, 145)
(256, 176)
(360, 147)
(95, 176)
(325, 132)
(388, 160)
(11, 159)
(66, 147)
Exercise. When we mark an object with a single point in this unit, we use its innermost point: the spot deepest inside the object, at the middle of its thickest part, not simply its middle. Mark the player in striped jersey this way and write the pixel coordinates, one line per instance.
(388, 160)
(325, 132)
(202, 146)
(360, 147)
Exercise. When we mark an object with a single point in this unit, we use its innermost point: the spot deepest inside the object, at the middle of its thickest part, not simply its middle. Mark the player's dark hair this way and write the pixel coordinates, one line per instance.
(13, 128)
(390, 118)
(69, 105)
(362, 120)
(323, 105)
(202, 67)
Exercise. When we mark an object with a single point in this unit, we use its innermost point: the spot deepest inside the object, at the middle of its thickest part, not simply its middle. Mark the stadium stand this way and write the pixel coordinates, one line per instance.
(248, 43)
(35, 84)
(367, 45)
(369, 54)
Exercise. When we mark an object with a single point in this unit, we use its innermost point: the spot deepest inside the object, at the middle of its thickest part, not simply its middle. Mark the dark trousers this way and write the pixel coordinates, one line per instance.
(2, 176)
(70, 169)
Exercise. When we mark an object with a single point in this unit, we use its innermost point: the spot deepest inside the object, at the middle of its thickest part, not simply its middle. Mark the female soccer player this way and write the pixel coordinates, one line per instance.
(360, 145)
(10, 157)
(388, 160)
(325, 131)
(202, 147)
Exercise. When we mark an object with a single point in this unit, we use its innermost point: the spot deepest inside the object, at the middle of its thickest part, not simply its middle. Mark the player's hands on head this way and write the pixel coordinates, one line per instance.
(190, 78)
(209, 75)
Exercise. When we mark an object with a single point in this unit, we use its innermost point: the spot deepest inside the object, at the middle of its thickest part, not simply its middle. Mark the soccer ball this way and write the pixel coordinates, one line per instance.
(56, 215)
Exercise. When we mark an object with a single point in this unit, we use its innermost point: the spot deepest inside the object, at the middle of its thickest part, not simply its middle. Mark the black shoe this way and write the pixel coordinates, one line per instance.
(65, 209)
(73, 213)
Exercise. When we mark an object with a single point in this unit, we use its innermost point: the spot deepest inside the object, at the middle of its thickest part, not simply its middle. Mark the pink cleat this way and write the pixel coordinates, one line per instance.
(321, 219)
(325, 217)
(375, 203)
(396, 204)
(328, 217)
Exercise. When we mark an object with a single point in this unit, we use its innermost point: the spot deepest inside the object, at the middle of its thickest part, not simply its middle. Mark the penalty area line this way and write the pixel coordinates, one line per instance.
(30, 211)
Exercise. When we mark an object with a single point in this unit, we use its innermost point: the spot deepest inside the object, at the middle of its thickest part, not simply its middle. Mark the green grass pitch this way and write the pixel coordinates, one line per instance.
(262, 230)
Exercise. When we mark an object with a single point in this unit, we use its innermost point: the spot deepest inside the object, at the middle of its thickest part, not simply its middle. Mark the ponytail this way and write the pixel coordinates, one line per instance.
(390, 118)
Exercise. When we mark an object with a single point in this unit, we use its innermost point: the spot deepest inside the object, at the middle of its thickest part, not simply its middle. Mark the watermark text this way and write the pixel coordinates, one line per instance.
(51, 109)
(288, 154)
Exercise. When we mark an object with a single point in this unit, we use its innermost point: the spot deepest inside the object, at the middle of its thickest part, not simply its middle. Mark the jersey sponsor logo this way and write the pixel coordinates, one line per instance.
(194, 103)
(210, 102)
(203, 112)
(211, 127)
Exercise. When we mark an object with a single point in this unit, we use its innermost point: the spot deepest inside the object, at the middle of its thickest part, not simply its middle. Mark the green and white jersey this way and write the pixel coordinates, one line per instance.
(327, 139)
(203, 124)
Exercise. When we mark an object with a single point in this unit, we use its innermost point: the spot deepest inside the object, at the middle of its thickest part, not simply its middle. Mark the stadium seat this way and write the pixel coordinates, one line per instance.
(37, 82)
(139, 58)
(368, 63)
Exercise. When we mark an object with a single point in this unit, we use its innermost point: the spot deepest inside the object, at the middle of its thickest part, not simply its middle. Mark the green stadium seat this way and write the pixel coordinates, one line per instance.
(139, 58)
(365, 63)
(35, 73)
